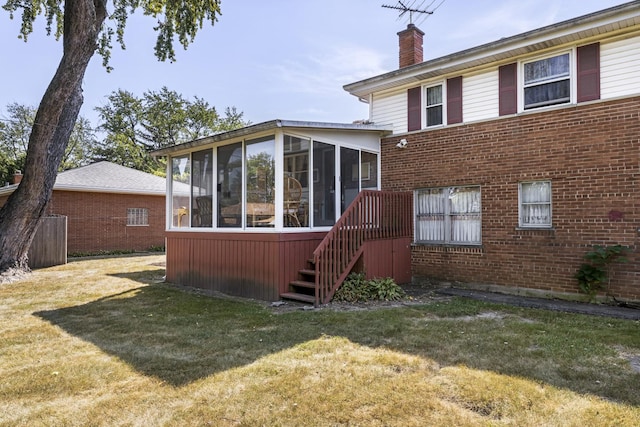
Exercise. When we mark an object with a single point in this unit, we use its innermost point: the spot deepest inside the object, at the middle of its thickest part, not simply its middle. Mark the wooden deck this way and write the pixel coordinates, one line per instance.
(253, 265)
(373, 236)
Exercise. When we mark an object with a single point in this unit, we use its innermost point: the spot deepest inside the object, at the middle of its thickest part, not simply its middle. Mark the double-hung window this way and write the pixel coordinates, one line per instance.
(450, 215)
(434, 105)
(535, 204)
(547, 81)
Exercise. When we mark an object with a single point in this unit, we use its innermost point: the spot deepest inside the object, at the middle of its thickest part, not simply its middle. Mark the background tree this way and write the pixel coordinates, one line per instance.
(14, 139)
(134, 126)
(15, 129)
(119, 123)
(82, 146)
(85, 28)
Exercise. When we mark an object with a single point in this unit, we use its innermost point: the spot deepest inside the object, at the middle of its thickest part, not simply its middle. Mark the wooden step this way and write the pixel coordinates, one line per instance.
(299, 297)
(302, 284)
(307, 272)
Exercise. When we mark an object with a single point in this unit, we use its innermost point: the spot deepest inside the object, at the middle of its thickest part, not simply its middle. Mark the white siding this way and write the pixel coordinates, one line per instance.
(480, 96)
(620, 76)
(620, 68)
(390, 108)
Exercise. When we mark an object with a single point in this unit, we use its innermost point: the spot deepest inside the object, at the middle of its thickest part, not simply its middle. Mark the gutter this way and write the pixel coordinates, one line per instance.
(265, 126)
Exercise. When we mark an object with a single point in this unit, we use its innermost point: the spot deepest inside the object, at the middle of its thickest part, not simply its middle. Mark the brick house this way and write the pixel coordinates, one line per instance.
(108, 207)
(522, 154)
(498, 167)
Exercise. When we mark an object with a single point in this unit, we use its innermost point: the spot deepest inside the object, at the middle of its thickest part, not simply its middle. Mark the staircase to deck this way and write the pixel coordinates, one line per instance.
(373, 215)
(304, 288)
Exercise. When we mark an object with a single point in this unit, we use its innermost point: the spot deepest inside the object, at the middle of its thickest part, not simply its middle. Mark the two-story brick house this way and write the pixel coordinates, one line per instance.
(522, 154)
(499, 166)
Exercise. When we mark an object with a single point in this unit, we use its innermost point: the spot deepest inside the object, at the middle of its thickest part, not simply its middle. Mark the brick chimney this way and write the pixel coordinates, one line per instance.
(17, 177)
(410, 46)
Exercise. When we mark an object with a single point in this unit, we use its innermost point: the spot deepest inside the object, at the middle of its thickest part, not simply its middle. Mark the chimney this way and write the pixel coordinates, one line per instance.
(410, 46)
(17, 177)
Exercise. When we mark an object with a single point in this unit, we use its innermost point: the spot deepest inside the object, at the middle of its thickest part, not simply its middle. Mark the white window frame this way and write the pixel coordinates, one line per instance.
(521, 205)
(447, 216)
(137, 217)
(425, 88)
(572, 80)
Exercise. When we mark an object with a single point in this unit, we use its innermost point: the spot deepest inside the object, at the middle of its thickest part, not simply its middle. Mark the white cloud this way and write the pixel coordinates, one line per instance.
(490, 23)
(326, 71)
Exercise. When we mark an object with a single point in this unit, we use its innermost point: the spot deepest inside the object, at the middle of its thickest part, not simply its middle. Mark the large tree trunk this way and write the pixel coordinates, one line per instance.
(56, 116)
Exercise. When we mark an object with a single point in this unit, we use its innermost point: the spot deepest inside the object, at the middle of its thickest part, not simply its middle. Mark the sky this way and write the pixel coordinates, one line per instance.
(277, 59)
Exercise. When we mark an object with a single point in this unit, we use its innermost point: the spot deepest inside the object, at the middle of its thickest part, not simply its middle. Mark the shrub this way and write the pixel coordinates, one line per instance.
(356, 288)
(592, 275)
(385, 289)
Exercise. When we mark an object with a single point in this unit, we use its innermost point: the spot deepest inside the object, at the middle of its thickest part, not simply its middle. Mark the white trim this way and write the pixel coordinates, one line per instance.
(573, 84)
(535, 226)
(424, 106)
(447, 216)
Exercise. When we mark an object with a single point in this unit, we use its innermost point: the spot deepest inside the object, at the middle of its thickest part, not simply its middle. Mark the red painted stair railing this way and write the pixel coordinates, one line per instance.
(372, 215)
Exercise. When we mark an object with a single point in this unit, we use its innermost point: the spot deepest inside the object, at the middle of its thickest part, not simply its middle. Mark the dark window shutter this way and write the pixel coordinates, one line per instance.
(588, 72)
(414, 110)
(454, 100)
(508, 89)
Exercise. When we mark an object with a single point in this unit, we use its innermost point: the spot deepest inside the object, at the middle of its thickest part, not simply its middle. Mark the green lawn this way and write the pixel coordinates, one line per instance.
(103, 342)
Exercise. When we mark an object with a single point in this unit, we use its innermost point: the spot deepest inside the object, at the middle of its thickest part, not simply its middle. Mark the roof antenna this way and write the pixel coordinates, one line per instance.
(404, 9)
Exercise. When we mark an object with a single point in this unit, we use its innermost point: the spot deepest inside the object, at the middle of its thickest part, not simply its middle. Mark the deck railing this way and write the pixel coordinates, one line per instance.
(372, 215)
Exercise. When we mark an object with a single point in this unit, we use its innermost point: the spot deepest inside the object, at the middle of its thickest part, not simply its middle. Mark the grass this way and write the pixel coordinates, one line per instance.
(102, 342)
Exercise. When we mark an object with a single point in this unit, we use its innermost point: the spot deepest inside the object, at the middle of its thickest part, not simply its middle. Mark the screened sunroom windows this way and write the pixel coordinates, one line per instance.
(180, 179)
(202, 188)
(295, 202)
(260, 169)
(229, 185)
(324, 184)
(280, 181)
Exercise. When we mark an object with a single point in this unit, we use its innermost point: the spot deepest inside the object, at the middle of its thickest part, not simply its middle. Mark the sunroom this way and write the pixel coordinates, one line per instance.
(247, 209)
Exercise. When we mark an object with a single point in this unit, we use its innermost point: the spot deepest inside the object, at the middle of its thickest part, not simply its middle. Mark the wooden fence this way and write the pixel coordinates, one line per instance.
(49, 246)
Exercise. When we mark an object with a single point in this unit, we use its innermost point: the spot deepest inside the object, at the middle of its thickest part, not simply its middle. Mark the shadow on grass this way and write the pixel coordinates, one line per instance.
(179, 337)
(174, 336)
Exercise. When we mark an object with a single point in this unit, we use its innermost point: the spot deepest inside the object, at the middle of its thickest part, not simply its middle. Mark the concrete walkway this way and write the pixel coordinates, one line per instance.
(546, 304)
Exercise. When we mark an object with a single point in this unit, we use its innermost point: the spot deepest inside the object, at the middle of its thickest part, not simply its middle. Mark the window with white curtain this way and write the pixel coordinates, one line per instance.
(535, 204)
(450, 215)
(137, 216)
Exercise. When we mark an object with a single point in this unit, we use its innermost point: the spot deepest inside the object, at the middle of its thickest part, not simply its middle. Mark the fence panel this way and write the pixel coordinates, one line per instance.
(49, 246)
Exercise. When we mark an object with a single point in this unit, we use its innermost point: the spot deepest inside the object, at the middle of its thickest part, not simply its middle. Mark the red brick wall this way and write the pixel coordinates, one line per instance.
(591, 154)
(98, 221)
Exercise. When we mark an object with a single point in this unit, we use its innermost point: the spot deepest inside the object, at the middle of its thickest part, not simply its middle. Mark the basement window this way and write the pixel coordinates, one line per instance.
(137, 216)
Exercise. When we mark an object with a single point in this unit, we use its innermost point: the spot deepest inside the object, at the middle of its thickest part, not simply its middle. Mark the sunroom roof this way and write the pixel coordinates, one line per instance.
(273, 124)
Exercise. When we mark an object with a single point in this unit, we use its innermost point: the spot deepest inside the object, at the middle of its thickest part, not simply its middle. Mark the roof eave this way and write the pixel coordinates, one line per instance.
(266, 126)
(77, 188)
(497, 51)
